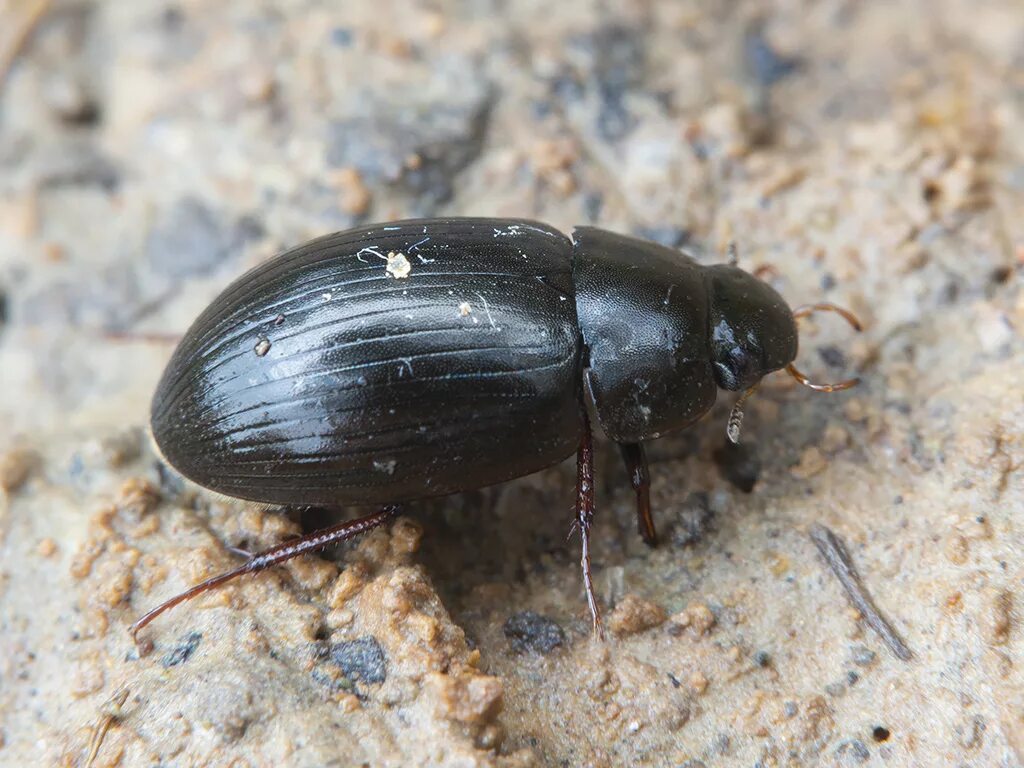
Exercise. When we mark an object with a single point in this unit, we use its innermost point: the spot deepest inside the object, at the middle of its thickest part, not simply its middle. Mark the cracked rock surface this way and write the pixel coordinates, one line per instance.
(870, 154)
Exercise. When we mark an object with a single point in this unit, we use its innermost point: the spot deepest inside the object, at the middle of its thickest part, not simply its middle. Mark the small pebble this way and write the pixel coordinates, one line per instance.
(853, 752)
(1000, 617)
(863, 657)
(697, 617)
(355, 195)
(405, 536)
(470, 699)
(16, 466)
(812, 462)
(698, 682)
(183, 650)
(634, 614)
(47, 547)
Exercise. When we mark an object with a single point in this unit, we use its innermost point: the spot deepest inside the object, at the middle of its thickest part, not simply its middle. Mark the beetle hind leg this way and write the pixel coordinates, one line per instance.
(636, 464)
(286, 550)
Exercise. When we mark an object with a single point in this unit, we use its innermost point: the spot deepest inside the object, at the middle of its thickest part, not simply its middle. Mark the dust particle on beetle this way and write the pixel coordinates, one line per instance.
(398, 265)
(262, 346)
(465, 309)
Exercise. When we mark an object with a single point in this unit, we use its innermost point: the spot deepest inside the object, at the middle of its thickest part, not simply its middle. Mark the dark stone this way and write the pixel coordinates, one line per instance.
(613, 65)
(193, 239)
(78, 164)
(739, 465)
(762, 659)
(863, 657)
(418, 146)
(1001, 274)
(694, 520)
(183, 650)
(361, 659)
(853, 751)
(763, 63)
(833, 356)
(341, 37)
(529, 631)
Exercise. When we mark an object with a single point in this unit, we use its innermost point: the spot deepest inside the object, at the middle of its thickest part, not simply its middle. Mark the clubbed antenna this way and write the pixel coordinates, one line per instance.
(732, 429)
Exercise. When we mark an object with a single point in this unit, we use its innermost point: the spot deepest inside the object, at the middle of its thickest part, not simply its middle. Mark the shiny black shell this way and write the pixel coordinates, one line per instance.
(426, 357)
(643, 310)
(379, 365)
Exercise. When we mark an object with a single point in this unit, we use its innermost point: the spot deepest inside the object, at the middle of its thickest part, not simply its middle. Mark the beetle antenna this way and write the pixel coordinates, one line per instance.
(793, 371)
(732, 429)
(733, 253)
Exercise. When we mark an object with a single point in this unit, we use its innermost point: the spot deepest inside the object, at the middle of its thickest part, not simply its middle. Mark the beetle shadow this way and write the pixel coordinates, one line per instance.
(512, 534)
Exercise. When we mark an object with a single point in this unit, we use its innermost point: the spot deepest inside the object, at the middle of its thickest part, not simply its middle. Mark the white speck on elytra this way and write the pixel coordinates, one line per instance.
(371, 250)
(487, 310)
(465, 309)
(387, 467)
(398, 265)
(262, 346)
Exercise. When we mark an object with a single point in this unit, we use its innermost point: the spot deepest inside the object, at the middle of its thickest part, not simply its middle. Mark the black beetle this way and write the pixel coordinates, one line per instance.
(426, 357)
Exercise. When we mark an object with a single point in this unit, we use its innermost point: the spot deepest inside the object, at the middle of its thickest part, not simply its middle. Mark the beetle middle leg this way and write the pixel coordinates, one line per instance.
(585, 511)
(636, 464)
(286, 550)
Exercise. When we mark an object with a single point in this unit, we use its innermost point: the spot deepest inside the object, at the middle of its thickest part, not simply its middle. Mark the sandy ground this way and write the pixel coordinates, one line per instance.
(866, 153)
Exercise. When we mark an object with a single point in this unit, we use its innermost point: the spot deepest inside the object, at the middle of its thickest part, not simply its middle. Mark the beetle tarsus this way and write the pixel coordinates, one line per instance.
(585, 513)
(636, 464)
(273, 556)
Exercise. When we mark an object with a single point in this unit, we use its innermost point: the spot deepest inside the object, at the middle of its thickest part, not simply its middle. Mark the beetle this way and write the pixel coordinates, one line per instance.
(426, 357)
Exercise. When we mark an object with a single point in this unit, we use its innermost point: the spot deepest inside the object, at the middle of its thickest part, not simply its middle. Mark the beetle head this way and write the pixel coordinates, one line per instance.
(752, 330)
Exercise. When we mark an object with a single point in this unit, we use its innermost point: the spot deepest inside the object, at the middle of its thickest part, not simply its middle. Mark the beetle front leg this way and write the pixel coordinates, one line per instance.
(585, 512)
(636, 464)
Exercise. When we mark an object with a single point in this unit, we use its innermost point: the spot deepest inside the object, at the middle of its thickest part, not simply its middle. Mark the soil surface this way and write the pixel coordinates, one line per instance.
(866, 153)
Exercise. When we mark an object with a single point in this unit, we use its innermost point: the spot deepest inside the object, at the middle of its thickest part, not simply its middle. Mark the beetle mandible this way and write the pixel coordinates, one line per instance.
(422, 358)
